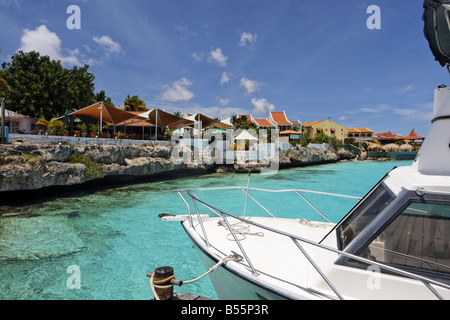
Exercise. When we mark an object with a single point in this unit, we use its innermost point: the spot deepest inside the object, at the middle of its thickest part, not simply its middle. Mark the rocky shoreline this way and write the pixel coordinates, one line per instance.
(38, 166)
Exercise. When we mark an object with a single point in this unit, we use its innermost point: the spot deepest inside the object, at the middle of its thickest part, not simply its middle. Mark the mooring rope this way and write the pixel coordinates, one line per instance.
(239, 228)
(157, 283)
(313, 224)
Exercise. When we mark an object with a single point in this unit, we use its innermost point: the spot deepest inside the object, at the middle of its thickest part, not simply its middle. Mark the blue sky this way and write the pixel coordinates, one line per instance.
(312, 59)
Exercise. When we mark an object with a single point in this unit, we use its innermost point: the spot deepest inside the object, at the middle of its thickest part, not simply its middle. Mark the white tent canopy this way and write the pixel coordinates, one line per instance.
(245, 135)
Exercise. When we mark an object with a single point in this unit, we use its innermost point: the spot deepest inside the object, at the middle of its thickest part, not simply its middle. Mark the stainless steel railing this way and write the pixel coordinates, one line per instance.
(296, 239)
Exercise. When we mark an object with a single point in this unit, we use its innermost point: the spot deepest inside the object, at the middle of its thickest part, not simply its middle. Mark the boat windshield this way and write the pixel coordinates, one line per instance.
(364, 213)
(417, 239)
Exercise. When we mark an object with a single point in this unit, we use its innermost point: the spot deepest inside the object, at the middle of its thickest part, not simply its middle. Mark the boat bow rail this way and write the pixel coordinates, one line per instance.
(299, 241)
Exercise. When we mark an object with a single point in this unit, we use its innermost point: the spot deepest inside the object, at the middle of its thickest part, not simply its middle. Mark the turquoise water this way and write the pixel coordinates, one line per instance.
(114, 235)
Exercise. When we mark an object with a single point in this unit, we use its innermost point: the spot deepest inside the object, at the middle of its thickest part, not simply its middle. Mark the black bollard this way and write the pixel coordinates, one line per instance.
(163, 277)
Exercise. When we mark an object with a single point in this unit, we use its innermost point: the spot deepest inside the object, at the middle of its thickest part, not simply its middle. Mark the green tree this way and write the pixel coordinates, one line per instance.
(305, 140)
(242, 123)
(80, 88)
(101, 96)
(320, 138)
(42, 88)
(134, 104)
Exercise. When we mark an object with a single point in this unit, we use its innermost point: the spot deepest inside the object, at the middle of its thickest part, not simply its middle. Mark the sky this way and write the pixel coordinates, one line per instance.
(312, 59)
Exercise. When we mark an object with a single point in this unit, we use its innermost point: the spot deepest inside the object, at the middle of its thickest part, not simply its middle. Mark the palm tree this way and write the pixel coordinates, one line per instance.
(134, 104)
(3, 83)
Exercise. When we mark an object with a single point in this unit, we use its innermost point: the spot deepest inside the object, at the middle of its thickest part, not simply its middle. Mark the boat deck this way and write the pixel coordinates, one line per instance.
(264, 247)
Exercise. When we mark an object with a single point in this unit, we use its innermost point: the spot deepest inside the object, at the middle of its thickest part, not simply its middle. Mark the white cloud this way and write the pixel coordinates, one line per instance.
(47, 43)
(251, 85)
(262, 106)
(216, 57)
(177, 91)
(422, 112)
(219, 112)
(376, 109)
(405, 89)
(186, 32)
(343, 118)
(10, 2)
(248, 40)
(223, 102)
(111, 46)
(197, 57)
(226, 77)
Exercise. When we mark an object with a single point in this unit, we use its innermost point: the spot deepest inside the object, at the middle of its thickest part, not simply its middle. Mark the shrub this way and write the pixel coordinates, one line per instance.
(56, 127)
(93, 169)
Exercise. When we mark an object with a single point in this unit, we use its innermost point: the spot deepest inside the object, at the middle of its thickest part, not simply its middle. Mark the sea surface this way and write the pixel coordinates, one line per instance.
(99, 244)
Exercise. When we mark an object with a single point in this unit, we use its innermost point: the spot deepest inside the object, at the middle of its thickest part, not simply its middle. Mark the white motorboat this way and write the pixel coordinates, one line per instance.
(394, 244)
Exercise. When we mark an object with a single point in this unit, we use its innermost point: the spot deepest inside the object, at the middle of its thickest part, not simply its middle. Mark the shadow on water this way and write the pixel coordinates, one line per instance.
(17, 199)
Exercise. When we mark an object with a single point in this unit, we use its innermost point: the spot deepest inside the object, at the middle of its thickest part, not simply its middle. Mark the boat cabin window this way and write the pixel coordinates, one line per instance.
(417, 240)
(364, 213)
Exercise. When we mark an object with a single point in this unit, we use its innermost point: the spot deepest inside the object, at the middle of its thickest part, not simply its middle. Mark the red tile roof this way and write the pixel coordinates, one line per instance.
(263, 123)
(248, 116)
(310, 124)
(280, 118)
(413, 136)
(390, 136)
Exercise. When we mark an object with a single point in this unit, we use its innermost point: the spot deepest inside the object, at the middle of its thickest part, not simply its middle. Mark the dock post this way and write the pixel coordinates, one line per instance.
(163, 277)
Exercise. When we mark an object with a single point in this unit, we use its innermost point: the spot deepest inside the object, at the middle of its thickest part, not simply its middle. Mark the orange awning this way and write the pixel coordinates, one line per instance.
(161, 118)
(105, 112)
(289, 132)
(208, 122)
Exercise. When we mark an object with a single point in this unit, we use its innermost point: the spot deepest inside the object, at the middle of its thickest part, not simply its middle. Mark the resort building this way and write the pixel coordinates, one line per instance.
(387, 138)
(412, 137)
(290, 135)
(330, 128)
(279, 120)
(360, 134)
(18, 123)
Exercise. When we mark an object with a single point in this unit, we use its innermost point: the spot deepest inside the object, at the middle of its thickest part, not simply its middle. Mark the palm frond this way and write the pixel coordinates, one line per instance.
(4, 85)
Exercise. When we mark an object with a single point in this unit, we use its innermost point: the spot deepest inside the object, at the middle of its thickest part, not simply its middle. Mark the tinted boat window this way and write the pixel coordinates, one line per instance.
(364, 213)
(417, 239)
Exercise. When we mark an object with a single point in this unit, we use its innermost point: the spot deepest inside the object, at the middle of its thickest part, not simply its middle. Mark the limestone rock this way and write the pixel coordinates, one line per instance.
(30, 167)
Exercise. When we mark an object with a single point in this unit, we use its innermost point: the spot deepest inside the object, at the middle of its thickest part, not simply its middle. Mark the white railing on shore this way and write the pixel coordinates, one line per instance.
(40, 139)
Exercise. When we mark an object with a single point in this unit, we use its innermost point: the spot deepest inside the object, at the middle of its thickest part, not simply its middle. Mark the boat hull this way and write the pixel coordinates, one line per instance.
(230, 285)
